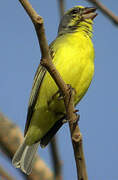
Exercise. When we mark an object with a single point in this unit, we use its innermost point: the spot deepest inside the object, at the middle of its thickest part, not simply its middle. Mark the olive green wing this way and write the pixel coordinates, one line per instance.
(40, 73)
(38, 80)
(39, 76)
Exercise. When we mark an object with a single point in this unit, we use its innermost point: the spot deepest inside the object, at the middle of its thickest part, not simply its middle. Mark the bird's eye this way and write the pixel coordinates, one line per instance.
(74, 11)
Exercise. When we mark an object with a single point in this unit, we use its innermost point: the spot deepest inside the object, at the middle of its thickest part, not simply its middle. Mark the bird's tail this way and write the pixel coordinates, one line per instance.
(24, 157)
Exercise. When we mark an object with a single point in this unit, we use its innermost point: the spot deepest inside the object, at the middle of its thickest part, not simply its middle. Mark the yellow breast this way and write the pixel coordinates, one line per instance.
(74, 59)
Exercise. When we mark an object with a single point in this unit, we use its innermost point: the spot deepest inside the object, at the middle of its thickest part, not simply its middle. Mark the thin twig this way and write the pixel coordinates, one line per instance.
(76, 138)
(56, 159)
(10, 139)
(105, 11)
(61, 7)
(46, 61)
(5, 175)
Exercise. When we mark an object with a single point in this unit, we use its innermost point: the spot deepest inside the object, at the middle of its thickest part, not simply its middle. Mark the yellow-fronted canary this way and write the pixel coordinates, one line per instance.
(72, 53)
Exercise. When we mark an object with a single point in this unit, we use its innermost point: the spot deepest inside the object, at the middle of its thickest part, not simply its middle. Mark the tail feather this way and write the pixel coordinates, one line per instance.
(24, 157)
(17, 157)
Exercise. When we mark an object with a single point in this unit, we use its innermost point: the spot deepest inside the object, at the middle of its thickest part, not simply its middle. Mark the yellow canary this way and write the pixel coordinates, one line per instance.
(72, 53)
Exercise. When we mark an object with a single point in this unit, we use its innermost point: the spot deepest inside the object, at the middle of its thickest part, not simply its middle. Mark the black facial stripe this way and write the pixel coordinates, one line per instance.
(75, 11)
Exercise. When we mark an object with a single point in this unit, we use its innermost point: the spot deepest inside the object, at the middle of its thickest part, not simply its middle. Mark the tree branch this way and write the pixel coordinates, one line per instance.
(61, 5)
(55, 158)
(76, 138)
(5, 175)
(10, 139)
(46, 61)
(105, 11)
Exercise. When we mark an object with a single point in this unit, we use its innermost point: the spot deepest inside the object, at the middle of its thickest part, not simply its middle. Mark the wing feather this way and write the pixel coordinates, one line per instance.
(40, 73)
(38, 78)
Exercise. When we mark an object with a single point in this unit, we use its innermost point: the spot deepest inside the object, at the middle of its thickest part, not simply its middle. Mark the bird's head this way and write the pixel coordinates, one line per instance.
(77, 18)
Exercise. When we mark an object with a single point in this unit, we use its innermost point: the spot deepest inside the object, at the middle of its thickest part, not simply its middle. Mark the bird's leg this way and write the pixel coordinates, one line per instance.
(60, 95)
(75, 121)
(57, 96)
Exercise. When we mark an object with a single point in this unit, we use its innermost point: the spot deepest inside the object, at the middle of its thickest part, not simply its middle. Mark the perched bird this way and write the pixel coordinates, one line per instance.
(72, 53)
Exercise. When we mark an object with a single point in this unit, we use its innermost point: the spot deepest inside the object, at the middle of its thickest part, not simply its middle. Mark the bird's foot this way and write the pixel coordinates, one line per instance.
(75, 121)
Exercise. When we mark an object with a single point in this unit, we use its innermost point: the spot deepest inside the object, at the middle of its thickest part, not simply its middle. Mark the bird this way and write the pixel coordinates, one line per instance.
(72, 53)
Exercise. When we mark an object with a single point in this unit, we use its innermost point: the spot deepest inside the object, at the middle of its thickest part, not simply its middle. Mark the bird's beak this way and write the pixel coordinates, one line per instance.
(89, 13)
